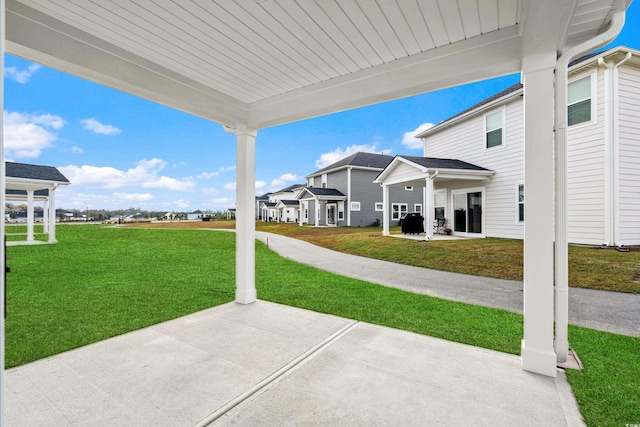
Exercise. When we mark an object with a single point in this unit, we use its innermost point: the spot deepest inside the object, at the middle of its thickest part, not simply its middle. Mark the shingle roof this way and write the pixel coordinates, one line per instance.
(290, 202)
(366, 160)
(27, 171)
(437, 163)
(289, 188)
(324, 191)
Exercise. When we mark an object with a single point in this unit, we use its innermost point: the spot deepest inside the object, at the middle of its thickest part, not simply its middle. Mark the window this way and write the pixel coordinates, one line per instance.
(310, 181)
(439, 199)
(493, 128)
(520, 202)
(379, 207)
(579, 101)
(398, 210)
(323, 178)
(340, 211)
(417, 208)
(408, 188)
(355, 206)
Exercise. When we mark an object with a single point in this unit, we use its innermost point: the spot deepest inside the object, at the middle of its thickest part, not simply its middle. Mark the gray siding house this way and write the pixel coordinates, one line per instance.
(344, 194)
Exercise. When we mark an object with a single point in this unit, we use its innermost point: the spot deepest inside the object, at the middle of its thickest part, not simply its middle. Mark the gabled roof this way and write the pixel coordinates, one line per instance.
(287, 189)
(322, 193)
(37, 172)
(358, 160)
(289, 202)
(268, 205)
(265, 196)
(431, 167)
(437, 163)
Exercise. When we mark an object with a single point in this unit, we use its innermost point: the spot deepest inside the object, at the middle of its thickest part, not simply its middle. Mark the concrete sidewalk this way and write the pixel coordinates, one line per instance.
(607, 311)
(273, 365)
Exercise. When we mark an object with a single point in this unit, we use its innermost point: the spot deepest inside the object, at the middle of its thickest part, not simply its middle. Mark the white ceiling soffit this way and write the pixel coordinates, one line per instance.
(267, 62)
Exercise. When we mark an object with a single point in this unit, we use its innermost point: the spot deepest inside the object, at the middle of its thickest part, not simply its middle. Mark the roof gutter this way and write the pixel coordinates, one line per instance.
(561, 237)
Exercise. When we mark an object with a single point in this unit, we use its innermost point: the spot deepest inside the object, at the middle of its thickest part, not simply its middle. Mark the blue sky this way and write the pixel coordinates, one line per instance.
(120, 151)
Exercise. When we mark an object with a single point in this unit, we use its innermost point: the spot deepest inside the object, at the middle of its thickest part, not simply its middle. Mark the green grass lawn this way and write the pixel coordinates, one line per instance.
(99, 282)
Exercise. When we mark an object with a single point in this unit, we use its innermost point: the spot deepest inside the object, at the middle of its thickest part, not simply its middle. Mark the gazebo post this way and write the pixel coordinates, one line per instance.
(30, 215)
(52, 214)
(245, 223)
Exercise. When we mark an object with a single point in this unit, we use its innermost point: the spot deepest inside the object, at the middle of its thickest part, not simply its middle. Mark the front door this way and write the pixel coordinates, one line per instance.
(332, 210)
(467, 212)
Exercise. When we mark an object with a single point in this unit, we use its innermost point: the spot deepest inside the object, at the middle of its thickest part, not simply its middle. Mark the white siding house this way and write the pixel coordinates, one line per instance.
(603, 152)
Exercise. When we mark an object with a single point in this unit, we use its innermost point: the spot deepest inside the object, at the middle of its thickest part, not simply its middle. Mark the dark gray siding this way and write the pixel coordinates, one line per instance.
(398, 194)
(363, 190)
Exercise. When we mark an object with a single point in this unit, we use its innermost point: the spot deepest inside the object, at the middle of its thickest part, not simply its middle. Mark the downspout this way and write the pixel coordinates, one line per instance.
(611, 153)
(348, 207)
(561, 238)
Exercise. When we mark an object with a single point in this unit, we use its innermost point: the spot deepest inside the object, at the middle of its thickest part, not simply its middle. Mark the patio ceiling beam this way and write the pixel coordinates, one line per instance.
(490, 55)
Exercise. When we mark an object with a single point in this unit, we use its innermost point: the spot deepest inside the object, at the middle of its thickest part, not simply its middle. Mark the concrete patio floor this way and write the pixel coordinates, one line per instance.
(274, 365)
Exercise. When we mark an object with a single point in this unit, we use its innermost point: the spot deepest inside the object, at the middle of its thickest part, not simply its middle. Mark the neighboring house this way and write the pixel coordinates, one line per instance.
(603, 152)
(287, 211)
(259, 201)
(344, 194)
(35, 183)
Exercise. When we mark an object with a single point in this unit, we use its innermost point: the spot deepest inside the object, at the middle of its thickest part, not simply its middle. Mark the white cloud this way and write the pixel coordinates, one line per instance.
(94, 125)
(412, 143)
(77, 150)
(222, 203)
(208, 175)
(25, 135)
(327, 159)
(210, 190)
(21, 76)
(145, 174)
(133, 197)
(260, 185)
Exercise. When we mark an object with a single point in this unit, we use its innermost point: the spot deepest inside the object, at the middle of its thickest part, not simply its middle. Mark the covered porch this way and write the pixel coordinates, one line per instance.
(253, 65)
(452, 193)
(322, 207)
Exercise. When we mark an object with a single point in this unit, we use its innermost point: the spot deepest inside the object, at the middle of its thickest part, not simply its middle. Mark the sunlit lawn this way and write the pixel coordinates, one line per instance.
(99, 282)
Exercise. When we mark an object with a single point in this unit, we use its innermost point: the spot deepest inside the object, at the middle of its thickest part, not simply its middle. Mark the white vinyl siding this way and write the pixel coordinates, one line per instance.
(466, 141)
(629, 166)
(585, 175)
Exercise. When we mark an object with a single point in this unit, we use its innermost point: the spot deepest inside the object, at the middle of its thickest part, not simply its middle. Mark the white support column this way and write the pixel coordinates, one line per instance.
(245, 224)
(385, 210)
(3, 189)
(30, 216)
(428, 214)
(348, 207)
(52, 215)
(537, 345)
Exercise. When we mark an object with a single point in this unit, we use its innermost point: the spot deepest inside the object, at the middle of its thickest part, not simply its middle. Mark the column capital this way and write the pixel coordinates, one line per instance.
(539, 61)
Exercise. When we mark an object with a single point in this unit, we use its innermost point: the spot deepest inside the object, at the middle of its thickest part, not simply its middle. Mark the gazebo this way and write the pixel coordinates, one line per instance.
(35, 183)
(250, 65)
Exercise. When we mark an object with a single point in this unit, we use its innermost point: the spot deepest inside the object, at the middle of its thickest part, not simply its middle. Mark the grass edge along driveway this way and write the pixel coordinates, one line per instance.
(99, 282)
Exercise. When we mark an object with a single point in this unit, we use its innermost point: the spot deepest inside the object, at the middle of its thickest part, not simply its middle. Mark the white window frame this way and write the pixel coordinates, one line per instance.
(399, 212)
(311, 181)
(379, 206)
(417, 207)
(340, 211)
(355, 206)
(323, 180)
(408, 188)
(593, 96)
(484, 216)
(502, 111)
(444, 191)
(517, 216)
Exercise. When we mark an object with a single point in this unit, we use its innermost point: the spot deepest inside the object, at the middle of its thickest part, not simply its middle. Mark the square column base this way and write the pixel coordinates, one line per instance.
(538, 361)
(246, 296)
